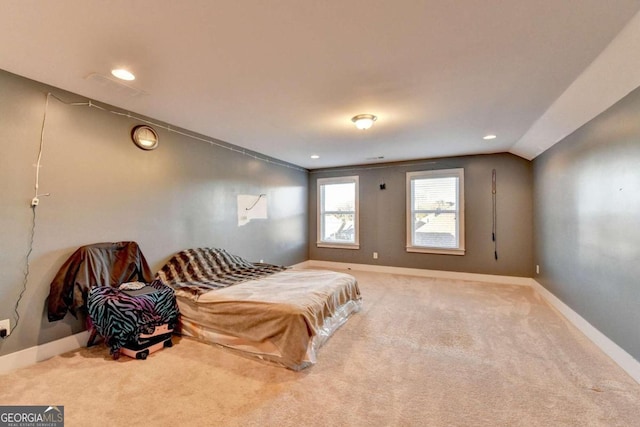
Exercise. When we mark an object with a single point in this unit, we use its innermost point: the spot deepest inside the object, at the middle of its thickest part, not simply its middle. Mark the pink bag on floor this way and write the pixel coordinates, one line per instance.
(148, 343)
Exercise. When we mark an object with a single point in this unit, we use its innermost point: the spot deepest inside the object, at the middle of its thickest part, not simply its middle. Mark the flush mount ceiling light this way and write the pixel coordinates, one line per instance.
(145, 137)
(123, 74)
(488, 137)
(364, 121)
(315, 156)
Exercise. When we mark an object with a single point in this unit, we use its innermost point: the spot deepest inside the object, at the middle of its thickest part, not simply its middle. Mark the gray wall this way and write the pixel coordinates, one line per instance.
(383, 217)
(103, 188)
(587, 222)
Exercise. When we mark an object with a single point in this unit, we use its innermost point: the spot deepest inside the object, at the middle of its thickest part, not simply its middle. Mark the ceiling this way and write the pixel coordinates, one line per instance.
(285, 77)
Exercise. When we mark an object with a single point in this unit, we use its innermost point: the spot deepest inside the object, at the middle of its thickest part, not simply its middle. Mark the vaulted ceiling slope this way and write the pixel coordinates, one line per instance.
(285, 77)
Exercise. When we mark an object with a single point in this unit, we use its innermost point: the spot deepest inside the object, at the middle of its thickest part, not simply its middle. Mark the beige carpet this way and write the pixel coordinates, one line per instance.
(422, 352)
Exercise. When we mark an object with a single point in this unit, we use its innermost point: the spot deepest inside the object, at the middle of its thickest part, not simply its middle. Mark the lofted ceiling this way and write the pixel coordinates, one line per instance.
(284, 77)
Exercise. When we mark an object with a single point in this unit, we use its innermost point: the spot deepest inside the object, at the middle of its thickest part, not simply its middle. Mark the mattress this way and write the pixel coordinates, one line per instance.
(283, 318)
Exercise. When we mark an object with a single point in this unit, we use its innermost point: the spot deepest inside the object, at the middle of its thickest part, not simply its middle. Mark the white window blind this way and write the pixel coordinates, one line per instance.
(338, 212)
(435, 211)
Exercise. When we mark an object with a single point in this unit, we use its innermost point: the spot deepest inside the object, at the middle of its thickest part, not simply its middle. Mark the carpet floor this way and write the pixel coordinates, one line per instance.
(422, 352)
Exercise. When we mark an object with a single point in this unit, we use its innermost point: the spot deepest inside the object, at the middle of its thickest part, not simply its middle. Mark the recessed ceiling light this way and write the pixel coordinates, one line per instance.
(490, 136)
(123, 74)
(315, 156)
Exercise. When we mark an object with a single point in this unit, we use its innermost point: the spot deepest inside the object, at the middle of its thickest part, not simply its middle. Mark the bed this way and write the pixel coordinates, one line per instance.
(277, 314)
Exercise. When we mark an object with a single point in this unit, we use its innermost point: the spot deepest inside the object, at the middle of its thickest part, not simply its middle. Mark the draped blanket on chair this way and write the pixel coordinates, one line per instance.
(88, 283)
(99, 264)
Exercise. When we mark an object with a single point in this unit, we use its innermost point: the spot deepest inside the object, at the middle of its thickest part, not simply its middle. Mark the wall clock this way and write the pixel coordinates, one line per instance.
(145, 137)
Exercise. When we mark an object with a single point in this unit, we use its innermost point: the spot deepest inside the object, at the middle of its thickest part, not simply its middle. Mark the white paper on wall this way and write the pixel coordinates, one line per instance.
(251, 207)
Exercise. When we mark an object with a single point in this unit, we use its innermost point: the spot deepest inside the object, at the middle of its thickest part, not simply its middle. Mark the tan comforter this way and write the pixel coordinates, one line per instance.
(282, 318)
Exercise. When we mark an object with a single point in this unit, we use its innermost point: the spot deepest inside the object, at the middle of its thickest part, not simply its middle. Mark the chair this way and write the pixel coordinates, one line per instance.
(88, 283)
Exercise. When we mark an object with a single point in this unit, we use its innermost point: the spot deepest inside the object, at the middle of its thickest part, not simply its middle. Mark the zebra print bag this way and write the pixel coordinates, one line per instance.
(121, 316)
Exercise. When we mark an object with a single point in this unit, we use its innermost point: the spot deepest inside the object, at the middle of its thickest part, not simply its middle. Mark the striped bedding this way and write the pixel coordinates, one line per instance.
(197, 271)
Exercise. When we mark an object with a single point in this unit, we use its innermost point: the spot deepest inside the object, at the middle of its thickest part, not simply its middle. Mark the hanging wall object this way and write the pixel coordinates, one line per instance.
(494, 231)
(145, 137)
(251, 207)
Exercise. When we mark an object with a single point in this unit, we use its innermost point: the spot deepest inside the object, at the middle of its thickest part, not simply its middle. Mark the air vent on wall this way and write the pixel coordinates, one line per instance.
(115, 85)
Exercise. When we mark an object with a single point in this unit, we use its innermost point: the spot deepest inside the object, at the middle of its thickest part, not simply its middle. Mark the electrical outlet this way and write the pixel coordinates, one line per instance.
(6, 324)
(537, 269)
(375, 255)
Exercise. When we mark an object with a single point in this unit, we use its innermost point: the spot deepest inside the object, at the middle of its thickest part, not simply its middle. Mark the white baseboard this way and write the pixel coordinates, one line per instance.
(630, 365)
(439, 274)
(32, 355)
(303, 264)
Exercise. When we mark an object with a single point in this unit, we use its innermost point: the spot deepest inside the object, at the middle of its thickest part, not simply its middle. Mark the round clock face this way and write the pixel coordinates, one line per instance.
(145, 137)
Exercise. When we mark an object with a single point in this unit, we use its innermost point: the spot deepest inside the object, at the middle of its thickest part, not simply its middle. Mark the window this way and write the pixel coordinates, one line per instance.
(338, 212)
(435, 211)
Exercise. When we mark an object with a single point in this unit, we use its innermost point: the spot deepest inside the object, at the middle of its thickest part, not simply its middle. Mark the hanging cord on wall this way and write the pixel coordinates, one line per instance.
(256, 202)
(170, 129)
(26, 270)
(494, 236)
(35, 201)
(34, 204)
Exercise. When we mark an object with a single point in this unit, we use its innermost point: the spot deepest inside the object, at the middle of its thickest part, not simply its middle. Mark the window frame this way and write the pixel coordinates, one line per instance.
(431, 174)
(321, 182)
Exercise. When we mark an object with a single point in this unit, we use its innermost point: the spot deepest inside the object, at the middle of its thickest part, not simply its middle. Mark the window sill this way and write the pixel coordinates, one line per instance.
(338, 245)
(435, 251)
